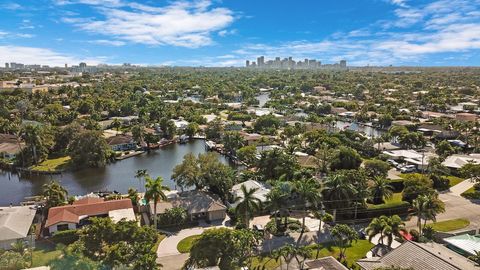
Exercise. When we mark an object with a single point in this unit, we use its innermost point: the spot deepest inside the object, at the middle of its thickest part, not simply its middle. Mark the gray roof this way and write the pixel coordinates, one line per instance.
(325, 263)
(15, 222)
(429, 256)
(194, 202)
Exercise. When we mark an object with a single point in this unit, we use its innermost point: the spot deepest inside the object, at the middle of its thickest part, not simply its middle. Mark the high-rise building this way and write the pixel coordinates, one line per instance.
(83, 65)
(7, 65)
(247, 63)
(343, 63)
(66, 65)
(261, 61)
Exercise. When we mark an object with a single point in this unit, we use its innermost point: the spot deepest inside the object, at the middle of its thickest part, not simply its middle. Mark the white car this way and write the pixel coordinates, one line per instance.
(408, 169)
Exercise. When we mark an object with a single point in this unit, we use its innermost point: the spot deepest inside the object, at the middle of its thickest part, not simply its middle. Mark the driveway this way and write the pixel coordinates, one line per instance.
(456, 206)
(168, 246)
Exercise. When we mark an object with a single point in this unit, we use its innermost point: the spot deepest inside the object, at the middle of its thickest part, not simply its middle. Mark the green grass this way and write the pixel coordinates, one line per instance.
(450, 225)
(159, 239)
(55, 164)
(394, 201)
(44, 253)
(471, 193)
(357, 251)
(185, 244)
(454, 180)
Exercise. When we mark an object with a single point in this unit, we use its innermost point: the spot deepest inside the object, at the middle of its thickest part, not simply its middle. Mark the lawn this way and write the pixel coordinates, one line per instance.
(357, 251)
(51, 165)
(450, 225)
(185, 244)
(471, 194)
(454, 180)
(394, 201)
(44, 253)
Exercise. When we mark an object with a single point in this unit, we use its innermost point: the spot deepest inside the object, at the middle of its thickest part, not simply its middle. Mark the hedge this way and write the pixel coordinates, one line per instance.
(65, 237)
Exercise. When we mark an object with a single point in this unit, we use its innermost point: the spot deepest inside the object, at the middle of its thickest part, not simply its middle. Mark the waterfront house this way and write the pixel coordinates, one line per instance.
(261, 192)
(419, 256)
(464, 244)
(15, 223)
(71, 217)
(10, 146)
(198, 204)
(457, 161)
(121, 142)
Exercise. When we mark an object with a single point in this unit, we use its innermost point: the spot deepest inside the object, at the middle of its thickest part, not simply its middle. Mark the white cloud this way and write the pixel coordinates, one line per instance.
(115, 43)
(32, 55)
(181, 23)
(11, 6)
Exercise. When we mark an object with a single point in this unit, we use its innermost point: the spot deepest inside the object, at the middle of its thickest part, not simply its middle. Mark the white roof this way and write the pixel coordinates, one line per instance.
(457, 161)
(466, 242)
(15, 222)
(117, 215)
(261, 193)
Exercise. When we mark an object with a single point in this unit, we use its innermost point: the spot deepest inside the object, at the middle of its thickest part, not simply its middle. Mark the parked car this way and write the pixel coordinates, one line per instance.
(408, 169)
(392, 162)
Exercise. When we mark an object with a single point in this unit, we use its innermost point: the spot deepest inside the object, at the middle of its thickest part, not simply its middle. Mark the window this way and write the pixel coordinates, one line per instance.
(62, 227)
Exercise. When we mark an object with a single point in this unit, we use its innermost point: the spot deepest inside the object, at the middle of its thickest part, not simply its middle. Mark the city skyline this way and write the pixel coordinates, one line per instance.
(226, 33)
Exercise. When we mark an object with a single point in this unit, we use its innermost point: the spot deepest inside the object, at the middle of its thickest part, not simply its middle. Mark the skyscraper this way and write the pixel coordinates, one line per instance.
(261, 61)
(343, 63)
(247, 63)
(7, 65)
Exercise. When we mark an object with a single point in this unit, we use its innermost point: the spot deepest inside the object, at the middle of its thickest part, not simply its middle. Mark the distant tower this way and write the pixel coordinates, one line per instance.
(247, 63)
(83, 65)
(66, 65)
(260, 61)
(343, 63)
(7, 65)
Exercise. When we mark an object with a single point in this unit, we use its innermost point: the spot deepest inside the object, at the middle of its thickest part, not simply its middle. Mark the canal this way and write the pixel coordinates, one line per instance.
(117, 176)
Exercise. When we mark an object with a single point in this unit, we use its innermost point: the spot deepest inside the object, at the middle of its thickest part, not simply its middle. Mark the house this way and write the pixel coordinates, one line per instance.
(261, 192)
(15, 223)
(10, 146)
(198, 204)
(412, 157)
(457, 161)
(465, 244)
(121, 142)
(419, 256)
(76, 215)
(306, 161)
(325, 263)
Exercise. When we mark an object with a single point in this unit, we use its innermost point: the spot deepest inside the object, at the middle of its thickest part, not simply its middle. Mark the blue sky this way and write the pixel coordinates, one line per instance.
(228, 32)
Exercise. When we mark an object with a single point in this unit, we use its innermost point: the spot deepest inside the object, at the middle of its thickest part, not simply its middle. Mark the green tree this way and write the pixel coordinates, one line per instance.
(376, 167)
(346, 158)
(38, 142)
(344, 236)
(187, 173)
(118, 244)
(248, 204)
(89, 149)
(232, 141)
(55, 194)
(416, 185)
(444, 149)
(380, 189)
(226, 248)
(191, 129)
(267, 124)
(214, 129)
(72, 260)
(155, 192)
(338, 190)
(471, 171)
(247, 154)
(310, 196)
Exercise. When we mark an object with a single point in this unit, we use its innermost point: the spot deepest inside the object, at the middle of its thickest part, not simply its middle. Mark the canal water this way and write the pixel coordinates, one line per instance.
(117, 176)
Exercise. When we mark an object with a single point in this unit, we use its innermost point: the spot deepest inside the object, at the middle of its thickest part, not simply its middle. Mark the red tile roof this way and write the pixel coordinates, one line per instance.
(84, 207)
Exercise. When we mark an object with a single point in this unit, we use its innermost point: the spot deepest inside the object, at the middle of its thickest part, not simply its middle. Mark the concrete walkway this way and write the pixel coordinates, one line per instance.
(461, 187)
(168, 246)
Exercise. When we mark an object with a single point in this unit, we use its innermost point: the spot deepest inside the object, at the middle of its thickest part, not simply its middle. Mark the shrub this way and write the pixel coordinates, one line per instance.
(173, 216)
(65, 237)
(415, 234)
(440, 183)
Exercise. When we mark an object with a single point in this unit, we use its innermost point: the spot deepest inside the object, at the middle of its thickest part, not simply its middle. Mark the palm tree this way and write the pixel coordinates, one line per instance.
(277, 200)
(433, 207)
(310, 196)
(19, 246)
(418, 209)
(476, 257)
(376, 226)
(394, 226)
(55, 194)
(140, 175)
(248, 204)
(338, 190)
(155, 192)
(380, 190)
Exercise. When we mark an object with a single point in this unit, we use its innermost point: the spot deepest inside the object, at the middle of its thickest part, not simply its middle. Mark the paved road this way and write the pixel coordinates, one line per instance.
(173, 262)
